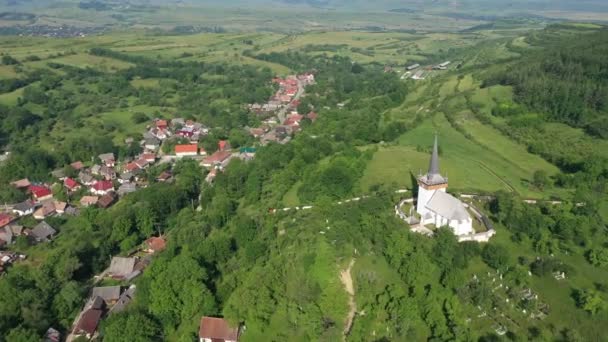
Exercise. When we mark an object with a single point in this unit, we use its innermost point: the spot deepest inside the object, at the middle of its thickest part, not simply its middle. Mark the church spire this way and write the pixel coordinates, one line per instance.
(434, 164)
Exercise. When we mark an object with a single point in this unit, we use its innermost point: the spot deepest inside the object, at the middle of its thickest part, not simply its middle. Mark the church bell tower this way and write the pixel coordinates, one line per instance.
(430, 183)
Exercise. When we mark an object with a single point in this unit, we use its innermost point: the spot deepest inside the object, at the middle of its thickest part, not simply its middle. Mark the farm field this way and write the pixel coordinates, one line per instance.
(471, 167)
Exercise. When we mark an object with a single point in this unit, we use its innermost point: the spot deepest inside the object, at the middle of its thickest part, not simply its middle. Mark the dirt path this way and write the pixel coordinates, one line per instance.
(347, 281)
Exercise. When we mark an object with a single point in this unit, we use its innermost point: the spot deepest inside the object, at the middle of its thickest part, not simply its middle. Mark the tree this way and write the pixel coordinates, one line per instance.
(540, 179)
(22, 335)
(130, 327)
(598, 257)
(496, 256)
(589, 300)
(9, 60)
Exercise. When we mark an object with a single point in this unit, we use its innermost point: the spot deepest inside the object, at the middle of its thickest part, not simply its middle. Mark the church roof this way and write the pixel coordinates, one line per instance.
(433, 177)
(447, 206)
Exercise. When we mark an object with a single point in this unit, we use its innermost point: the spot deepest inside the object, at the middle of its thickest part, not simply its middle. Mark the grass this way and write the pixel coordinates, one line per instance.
(469, 165)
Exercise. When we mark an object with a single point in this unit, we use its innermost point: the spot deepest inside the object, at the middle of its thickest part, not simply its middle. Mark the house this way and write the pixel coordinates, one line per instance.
(106, 200)
(5, 219)
(88, 322)
(125, 298)
(149, 157)
(131, 167)
(160, 133)
(71, 184)
(107, 172)
(72, 211)
(47, 209)
(164, 176)
(219, 158)
(186, 150)
(6, 235)
(151, 143)
(87, 201)
(77, 165)
(24, 208)
(102, 187)
(256, 132)
(109, 294)
(108, 159)
(60, 207)
(293, 120)
(40, 193)
(86, 178)
(224, 145)
(95, 169)
(126, 188)
(214, 329)
(125, 177)
(21, 184)
(121, 268)
(43, 232)
(155, 244)
(142, 163)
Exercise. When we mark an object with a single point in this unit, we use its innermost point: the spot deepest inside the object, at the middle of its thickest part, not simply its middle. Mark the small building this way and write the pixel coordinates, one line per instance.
(109, 294)
(6, 235)
(5, 219)
(125, 299)
(151, 143)
(121, 268)
(108, 159)
(43, 232)
(155, 244)
(102, 187)
(149, 157)
(126, 188)
(106, 200)
(219, 159)
(164, 176)
(47, 209)
(40, 193)
(24, 208)
(186, 150)
(87, 201)
(213, 329)
(86, 178)
(71, 184)
(88, 323)
(52, 335)
(107, 172)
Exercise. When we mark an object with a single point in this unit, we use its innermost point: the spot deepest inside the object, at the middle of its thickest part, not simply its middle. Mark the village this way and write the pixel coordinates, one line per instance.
(104, 180)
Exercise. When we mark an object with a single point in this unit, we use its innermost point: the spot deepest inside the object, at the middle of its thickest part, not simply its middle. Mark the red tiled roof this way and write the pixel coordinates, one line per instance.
(188, 148)
(88, 321)
(156, 244)
(148, 156)
(40, 191)
(161, 123)
(103, 185)
(217, 329)
(293, 119)
(70, 183)
(131, 167)
(217, 157)
(312, 116)
(5, 219)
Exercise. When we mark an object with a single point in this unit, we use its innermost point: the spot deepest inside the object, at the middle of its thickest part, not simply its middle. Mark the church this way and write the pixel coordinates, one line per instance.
(436, 206)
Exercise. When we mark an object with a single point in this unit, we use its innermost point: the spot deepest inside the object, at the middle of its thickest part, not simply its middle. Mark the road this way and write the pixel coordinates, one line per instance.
(282, 114)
